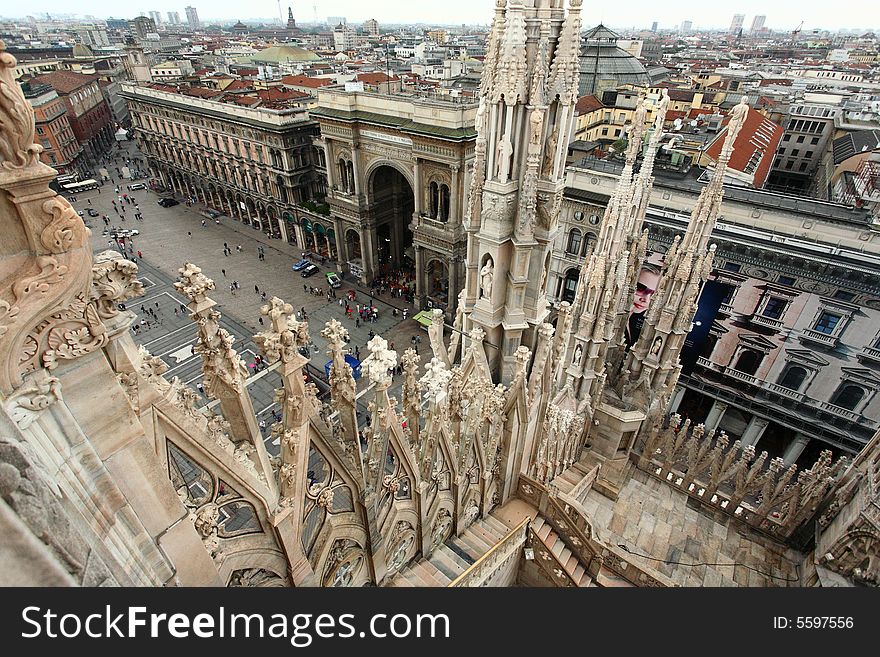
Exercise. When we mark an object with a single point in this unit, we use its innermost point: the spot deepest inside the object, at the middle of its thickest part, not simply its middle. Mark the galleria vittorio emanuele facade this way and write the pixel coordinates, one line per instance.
(520, 452)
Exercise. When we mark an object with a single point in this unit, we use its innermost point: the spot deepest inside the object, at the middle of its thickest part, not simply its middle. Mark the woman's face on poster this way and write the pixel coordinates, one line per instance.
(645, 288)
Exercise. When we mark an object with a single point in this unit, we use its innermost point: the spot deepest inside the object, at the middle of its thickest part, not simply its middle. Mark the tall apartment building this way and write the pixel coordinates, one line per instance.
(758, 23)
(737, 23)
(156, 16)
(174, 18)
(371, 26)
(192, 17)
(686, 27)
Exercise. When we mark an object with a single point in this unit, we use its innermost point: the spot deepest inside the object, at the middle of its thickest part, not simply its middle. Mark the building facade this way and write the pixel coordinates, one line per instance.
(61, 150)
(396, 186)
(87, 111)
(254, 164)
(192, 18)
(808, 130)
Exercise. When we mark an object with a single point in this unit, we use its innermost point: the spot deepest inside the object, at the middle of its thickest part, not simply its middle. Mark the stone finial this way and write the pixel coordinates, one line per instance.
(380, 360)
(435, 380)
(335, 334)
(286, 334)
(193, 284)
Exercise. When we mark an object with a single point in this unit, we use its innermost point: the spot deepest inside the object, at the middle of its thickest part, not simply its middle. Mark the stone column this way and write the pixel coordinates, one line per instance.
(795, 449)
(675, 400)
(282, 227)
(754, 430)
(456, 213)
(417, 186)
(715, 414)
(356, 169)
(420, 275)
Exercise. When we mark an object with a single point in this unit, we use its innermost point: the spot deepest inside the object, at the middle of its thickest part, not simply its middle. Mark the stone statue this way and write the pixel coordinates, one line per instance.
(578, 353)
(487, 275)
(502, 158)
(550, 153)
(536, 125)
(655, 347)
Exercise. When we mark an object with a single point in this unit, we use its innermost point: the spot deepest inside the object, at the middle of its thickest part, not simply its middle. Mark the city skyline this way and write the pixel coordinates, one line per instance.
(813, 14)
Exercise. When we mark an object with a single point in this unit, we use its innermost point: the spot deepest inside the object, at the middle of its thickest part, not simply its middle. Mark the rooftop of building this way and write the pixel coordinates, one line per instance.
(690, 182)
(280, 54)
(853, 143)
(65, 82)
(754, 147)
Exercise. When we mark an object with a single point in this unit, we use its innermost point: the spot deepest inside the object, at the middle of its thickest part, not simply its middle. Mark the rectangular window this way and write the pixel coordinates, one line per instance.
(795, 152)
(774, 308)
(814, 141)
(789, 164)
(617, 132)
(732, 266)
(782, 151)
(786, 138)
(844, 295)
(809, 155)
(826, 323)
(786, 280)
(800, 139)
(604, 131)
(803, 166)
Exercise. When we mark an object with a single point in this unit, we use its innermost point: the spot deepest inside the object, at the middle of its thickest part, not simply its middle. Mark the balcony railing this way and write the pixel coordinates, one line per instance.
(870, 353)
(785, 392)
(704, 362)
(726, 308)
(840, 411)
(742, 376)
(821, 338)
(769, 322)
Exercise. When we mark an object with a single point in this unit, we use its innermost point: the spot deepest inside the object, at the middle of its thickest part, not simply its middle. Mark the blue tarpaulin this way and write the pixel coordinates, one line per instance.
(353, 362)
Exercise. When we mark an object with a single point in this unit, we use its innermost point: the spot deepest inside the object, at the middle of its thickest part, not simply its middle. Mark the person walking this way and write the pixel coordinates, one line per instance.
(223, 271)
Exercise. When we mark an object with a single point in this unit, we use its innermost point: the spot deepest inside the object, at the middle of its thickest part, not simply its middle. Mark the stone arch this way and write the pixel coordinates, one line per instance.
(353, 244)
(392, 203)
(568, 285)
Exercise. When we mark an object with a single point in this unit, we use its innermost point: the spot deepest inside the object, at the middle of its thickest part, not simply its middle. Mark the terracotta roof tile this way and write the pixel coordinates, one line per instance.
(65, 82)
(756, 144)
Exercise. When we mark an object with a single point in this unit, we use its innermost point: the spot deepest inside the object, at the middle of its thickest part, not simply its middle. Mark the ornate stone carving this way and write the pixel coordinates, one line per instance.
(114, 281)
(286, 334)
(65, 231)
(73, 332)
(17, 147)
(36, 395)
(256, 578)
(379, 362)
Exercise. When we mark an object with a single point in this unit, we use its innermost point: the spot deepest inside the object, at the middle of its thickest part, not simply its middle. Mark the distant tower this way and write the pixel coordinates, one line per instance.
(758, 24)
(737, 23)
(528, 93)
(654, 26)
(192, 17)
(291, 24)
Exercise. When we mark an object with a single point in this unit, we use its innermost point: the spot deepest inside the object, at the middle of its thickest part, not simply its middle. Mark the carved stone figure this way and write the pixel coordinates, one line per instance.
(502, 158)
(487, 276)
(550, 153)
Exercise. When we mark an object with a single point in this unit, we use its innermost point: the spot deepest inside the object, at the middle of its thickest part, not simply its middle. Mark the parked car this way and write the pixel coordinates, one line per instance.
(124, 232)
(333, 279)
(167, 202)
(80, 213)
(309, 271)
(92, 212)
(137, 186)
(302, 264)
(210, 214)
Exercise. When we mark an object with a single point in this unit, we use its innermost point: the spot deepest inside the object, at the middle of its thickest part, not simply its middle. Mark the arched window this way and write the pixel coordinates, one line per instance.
(569, 285)
(589, 242)
(848, 396)
(444, 203)
(574, 242)
(793, 378)
(435, 200)
(343, 175)
(282, 189)
(748, 362)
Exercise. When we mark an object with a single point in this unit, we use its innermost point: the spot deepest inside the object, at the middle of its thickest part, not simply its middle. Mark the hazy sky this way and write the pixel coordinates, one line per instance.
(781, 14)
